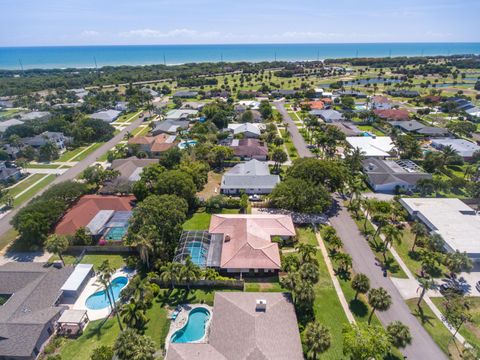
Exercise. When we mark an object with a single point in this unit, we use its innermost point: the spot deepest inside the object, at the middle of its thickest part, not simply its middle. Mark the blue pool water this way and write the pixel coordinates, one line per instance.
(99, 300)
(198, 253)
(185, 144)
(195, 328)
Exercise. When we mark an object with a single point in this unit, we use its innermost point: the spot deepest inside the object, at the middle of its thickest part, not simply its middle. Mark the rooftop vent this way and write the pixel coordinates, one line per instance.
(227, 238)
(261, 305)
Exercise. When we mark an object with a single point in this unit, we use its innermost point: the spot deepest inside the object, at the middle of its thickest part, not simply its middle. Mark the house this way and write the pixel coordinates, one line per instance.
(464, 148)
(154, 146)
(106, 115)
(372, 146)
(457, 223)
(248, 130)
(121, 106)
(149, 91)
(387, 176)
(283, 93)
(28, 312)
(241, 109)
(380, 103)
(35, 115)
(4, 125)
(352, 93)
(250, 104)
(248, 149)
(57, 138)
(104, 216)
(329, 116)
(347, 128)
(246, 241)
(6, 104)
(404, 93)
(251, 177)
(9, 174)
(246, 326)
(12, 151)
(80, 93)
(392, 114)
(476, 138)
(417, 127)
(169, 126)
(315, 105)
(193, 105)
(186, 94)
(131, 168)
(473, 112)
(181, 114)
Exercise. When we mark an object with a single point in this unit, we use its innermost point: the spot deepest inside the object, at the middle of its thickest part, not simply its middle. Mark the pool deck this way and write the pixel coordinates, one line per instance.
(92, 287)
(182, 319)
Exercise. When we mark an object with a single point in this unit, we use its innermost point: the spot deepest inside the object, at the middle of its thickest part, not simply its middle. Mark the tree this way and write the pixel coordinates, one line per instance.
(218, 154)
(420, 231)
(430, 261)
(361, 284)
(425, 284)
(171, 158)
(96, 175)
(309, 272)
(57, 244)
(265, 109)
(144, 241)
(399, 334)
(48, 151)
(307, 253)
(317, 339)
(344, 262)
(189, 272)
(279, 156)
(392, 234)
(130, 345)
(102, 353)
(380, 300)
(133, 314)
(365, 342)
(457, 262)
(301, 196)
(105, 274)
(176, 182)
(457, 313)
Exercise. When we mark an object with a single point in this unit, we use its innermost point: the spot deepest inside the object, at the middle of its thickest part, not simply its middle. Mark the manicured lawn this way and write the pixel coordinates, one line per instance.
(201, 220)
(471, 330)
(116, 261)
(306, 235)
(141, 131)
(71, 154)
(35, 189)
(8, 237)
(25, 184)
(88, 152)
(434, 327)
(370, 129)
(41, 166)
(327, 308)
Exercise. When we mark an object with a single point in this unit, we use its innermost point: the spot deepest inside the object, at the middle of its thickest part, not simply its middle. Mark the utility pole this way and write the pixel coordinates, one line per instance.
(96, 67)
(21, 66)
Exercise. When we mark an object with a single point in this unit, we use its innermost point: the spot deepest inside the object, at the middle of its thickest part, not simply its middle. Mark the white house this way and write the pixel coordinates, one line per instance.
(380, 103)
(372, 146)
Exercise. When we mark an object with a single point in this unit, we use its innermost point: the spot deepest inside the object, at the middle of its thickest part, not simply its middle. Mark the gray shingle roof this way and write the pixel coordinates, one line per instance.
(239, 332)
(252, 174)
(31, 307)
(328, 115)
(381, 172)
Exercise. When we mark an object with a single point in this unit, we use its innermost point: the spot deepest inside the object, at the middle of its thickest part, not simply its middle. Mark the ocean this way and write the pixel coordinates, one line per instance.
(85, 56)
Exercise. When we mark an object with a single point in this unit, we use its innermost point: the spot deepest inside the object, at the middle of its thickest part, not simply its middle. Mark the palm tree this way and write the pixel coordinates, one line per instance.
(189, 272)
(169, 273)
(392, 234)
(144, 244)
(304, 293)
(57, 244)
(309, 272)
(335, 243)
(399, 334)
(420, 231)
(425, 284)
(344, 261)
(128, 135)
(306, 252)
(380, 300)
(106, 272)
(317, 340)
(448, 153)
(133, 314)
(369, 207)
(361, 284)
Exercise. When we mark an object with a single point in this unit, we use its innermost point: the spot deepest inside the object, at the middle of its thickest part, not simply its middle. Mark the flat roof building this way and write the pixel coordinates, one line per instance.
(455, 221)
(464, 148)
(372, 146)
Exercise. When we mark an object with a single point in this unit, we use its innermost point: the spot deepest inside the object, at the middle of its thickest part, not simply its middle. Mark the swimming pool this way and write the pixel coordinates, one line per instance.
(184, 144)
(198, 253)
(195, 328)
(116, 233)
(99, 300)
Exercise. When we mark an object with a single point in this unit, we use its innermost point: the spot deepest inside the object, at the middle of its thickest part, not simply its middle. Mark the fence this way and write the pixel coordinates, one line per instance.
(107, 249)
(210, 284)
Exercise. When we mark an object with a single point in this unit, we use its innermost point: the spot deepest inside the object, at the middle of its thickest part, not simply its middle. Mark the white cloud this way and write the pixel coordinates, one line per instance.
(176, 33)
(89, 33)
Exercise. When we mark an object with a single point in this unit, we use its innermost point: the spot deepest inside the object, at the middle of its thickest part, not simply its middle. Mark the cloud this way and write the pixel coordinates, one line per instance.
(171, 34)
(89, 33)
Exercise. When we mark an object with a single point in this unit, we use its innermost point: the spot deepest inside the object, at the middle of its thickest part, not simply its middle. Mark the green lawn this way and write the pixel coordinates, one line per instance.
(306, 235)
(327, 308)
(141, 131)
(83, 155)
(8, 237)
(35, 189)
(201, 219)
(116, 261)
(6, 113)
(41, 166)
(471, 330)
(434, 327)
(25, 184)
(71, 154)
(370, 129)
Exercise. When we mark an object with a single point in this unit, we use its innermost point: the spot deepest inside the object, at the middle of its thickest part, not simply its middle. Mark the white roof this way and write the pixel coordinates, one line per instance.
(455, 221)
(4, 125)
(247, 127)
(319, 90)
(250, 103)
(99, 220)
(72, 316)
(180, 113)
(379, 146)
(463, 147)
(76, 278)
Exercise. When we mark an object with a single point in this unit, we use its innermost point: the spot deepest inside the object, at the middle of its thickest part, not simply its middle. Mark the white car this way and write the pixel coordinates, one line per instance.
(254, 197)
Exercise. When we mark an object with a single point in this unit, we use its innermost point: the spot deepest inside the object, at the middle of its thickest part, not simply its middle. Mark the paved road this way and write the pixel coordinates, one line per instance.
(73, 172)
(297, 138)
(423, 346)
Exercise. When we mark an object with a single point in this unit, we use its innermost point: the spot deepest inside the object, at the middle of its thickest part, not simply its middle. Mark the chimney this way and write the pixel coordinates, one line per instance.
(227, 238)
(261, 305)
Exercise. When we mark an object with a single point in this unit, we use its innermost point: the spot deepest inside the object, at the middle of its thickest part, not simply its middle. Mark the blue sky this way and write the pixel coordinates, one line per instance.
(89, 22)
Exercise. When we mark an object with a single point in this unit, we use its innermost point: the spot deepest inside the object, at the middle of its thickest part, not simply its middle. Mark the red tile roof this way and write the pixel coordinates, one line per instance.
(155, 143)
(87, 207)
(315, 105)
(380, 99)
(392, 114)
(250, 147)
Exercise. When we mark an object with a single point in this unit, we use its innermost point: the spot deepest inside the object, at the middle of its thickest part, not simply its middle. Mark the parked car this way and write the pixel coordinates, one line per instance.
(255, 197)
